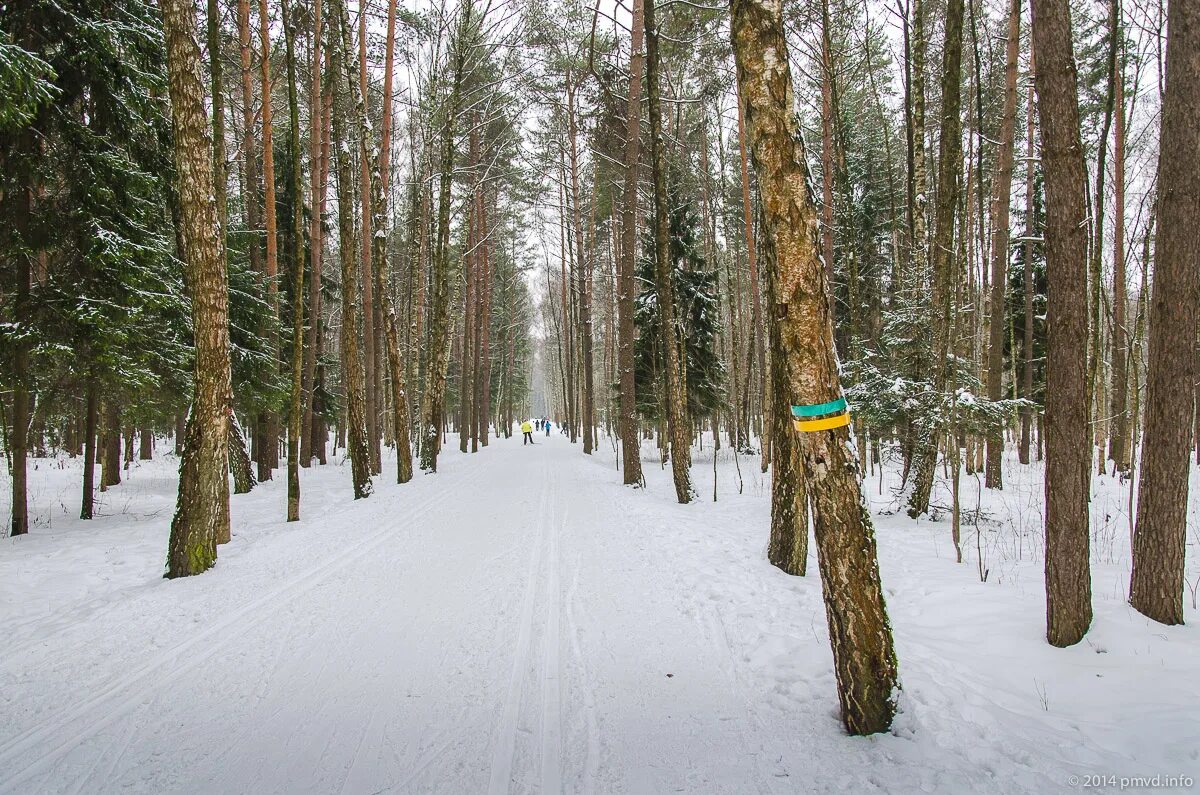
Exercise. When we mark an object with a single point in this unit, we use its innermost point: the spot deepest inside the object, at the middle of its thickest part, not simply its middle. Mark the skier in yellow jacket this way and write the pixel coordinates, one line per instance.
(527, 429)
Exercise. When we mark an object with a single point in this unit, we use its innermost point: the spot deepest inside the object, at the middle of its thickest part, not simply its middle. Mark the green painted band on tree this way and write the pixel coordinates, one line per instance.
(819, 409)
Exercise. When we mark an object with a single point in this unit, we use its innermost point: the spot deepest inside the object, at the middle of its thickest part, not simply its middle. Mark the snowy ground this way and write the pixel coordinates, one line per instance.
(521, 622)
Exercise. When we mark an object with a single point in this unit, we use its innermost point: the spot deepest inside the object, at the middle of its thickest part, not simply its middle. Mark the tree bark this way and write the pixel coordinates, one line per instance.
(1068, 452)
(631, 459)
(676, 408)
(1118, 436)
(88, 503)
(269, 437)
(316, 167)
(351, 328)
(1160, 537)
(202, 512)
(438, 336)
(858, 625)
(942, 256)
(295, 410)
(1001, 195)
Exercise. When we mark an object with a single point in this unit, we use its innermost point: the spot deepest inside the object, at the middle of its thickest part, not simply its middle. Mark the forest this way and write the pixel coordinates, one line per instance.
(263, 260)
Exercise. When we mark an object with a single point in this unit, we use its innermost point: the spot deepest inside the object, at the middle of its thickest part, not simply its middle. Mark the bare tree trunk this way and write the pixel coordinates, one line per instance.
(316, 167)
(676, 408)
(370, 361)
(1068, 452)
(858, 625)
(942, 257)
(787, 548)
(351, 330)
(432, 400)
(269, 445)
(1001, 195)
(1027, 342)
(1159, 541)
(631, 459)
(295, 411)
(1118, 438)
(399, 396)
(202, 513)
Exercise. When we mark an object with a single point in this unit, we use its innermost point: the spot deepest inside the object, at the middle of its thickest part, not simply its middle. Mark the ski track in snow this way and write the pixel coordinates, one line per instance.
(522, 623)
(25, 755)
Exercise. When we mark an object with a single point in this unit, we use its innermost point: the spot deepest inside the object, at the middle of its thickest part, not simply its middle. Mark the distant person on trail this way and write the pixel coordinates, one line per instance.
(527, 429)
(546, 424)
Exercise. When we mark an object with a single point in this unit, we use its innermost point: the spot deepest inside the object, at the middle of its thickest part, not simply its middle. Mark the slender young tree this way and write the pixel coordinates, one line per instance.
(859, 632)
(203, 505)
(1068, 451)
(1159, 540)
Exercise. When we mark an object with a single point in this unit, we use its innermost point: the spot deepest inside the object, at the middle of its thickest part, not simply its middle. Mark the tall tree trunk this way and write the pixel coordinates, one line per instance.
(1001, 195)
(268, 435)
(858, 625)
(1068, 470)
(295, 410)
(399, 375)
(584, 282)
(438, 336)
(1027, 411)
(756, 345)
(631, 459)
(370, 360)
(351, 328)
(202, 513)
(316, 163)
(1118, 437)
(676, 408)
(466, 390)
(942, 257)
(1159, 541)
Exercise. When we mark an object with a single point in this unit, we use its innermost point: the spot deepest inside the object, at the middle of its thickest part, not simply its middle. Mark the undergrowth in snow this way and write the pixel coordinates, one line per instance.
(522, 622)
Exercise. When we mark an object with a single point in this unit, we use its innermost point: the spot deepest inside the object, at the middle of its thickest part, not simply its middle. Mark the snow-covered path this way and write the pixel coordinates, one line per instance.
(520, 622)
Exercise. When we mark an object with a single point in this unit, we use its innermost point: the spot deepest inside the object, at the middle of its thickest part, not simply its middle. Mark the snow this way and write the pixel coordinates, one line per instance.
(522, 622)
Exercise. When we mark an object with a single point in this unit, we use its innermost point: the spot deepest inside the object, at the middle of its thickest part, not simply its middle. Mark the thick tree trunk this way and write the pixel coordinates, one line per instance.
(1068, 452)
(351, 328)
(676, 408)
(858, 625)
(1159, 541)
(146, 449)
(202, 513)
(788, 545)
(1001, 195)
(631, 459)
